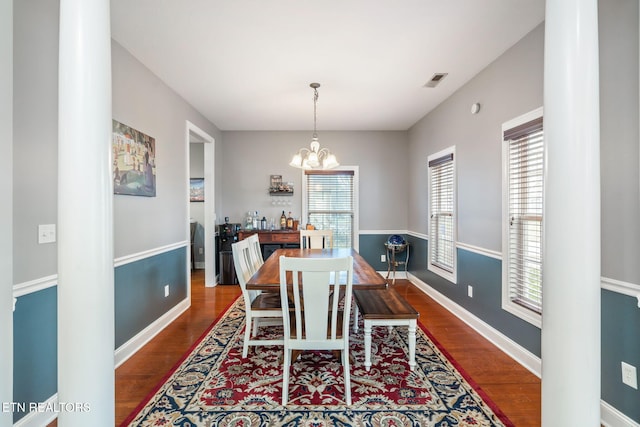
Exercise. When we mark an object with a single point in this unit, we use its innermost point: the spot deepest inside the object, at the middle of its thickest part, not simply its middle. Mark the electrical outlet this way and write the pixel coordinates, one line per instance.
(629, 375)
(470, 291)
(383, 258)
(166, 291)
(200, 251)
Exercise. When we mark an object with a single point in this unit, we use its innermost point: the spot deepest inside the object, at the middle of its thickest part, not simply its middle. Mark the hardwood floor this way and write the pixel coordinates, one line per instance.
(514, 389)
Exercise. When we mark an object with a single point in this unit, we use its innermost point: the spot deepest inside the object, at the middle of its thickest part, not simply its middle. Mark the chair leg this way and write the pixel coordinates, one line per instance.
(285, 376)
(247, 337)
(347, 375)
(255, 326)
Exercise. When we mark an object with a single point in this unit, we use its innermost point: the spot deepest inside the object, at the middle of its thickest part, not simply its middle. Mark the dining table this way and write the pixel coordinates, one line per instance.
(267, 278)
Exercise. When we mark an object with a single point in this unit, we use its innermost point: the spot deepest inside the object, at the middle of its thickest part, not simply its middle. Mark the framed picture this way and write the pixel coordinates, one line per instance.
(196, 190)
(134, 161)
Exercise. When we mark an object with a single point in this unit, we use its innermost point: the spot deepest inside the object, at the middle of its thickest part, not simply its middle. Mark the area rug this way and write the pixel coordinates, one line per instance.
(213, 386)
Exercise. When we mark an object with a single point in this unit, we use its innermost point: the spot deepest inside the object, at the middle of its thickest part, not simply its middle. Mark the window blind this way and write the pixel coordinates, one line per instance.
(525, 204)
(442, 201)
(330, 204)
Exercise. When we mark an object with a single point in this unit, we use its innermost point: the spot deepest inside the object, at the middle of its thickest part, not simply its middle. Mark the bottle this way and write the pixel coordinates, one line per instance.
(289, 222)
(263, 223)
(283, 221)
(248, 224)
(256, 221)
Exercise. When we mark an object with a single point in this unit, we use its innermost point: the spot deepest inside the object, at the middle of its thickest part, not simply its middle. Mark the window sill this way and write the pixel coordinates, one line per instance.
(527, 315)
(450, 276)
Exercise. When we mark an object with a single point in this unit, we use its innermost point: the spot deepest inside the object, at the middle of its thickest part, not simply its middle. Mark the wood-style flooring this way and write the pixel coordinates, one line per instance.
(511, 387)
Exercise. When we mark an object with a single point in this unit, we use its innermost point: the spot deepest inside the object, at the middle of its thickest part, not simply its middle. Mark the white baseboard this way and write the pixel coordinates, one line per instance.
(399, 274)
(128, 349)
(518, 353)
(611, 417)
(39, 419)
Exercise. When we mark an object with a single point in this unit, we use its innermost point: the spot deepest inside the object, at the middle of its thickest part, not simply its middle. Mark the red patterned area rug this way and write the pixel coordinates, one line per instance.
(213, 386)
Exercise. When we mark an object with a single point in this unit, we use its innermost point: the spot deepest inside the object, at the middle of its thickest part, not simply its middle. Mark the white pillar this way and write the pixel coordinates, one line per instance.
(571, 276)
(6, 210)
(85, 217)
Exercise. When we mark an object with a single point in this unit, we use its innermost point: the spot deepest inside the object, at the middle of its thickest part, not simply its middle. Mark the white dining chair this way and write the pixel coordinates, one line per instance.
(261, 308)
(316, 239)
(315, 322)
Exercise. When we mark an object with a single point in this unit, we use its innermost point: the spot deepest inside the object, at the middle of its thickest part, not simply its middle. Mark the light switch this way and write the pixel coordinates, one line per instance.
(46, 233)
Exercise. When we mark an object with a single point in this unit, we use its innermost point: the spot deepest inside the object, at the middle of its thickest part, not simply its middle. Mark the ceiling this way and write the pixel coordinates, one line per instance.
(247, 64)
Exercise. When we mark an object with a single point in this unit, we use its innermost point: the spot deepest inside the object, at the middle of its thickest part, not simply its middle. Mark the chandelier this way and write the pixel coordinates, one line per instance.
(314, 157)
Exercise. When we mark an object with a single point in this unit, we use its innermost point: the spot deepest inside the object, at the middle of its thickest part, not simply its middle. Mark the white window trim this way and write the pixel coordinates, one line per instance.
(450, 276)
(356, 201)
(508, 305)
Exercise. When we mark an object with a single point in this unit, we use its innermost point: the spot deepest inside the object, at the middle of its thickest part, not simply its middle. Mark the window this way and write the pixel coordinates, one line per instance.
(330, 203)
(523, 179)
(442, 214)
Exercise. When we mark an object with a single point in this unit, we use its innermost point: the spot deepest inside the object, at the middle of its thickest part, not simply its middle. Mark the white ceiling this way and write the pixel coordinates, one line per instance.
(247, 64)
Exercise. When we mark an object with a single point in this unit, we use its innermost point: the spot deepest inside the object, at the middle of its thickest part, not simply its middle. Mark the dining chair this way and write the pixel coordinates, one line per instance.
(256, 252)
(315, 321)
(261, 308)
(316, 239)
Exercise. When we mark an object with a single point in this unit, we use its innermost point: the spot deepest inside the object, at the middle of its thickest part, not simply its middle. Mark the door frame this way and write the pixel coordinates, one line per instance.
(209, 203)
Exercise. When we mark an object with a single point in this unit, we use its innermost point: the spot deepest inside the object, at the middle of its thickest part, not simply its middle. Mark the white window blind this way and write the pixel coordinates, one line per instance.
(442, 218)
(330, 203)
(525, 172)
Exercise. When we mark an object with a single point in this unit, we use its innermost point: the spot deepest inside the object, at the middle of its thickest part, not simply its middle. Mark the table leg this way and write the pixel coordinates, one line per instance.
(356, 313)
(367, 345)
(412, 344)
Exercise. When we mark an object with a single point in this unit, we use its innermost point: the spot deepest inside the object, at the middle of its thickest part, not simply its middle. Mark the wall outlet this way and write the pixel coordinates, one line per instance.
(200, 251)
(383, 258)
(470, 291)
(629, 375)
(166, 291)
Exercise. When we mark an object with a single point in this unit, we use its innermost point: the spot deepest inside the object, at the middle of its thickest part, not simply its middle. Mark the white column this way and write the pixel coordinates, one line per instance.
(6, 210)
(571, 276)
(85, 233)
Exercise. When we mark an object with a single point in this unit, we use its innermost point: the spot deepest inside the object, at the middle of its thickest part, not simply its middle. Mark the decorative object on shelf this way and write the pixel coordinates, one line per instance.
(279, 188)
(396, 244)
(316, 157)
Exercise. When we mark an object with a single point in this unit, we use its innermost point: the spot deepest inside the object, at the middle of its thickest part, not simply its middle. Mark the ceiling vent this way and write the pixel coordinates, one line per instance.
(435, 80)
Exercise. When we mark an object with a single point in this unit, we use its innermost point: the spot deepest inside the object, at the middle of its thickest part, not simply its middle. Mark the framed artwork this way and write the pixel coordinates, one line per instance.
(134, 161)
(196, 190)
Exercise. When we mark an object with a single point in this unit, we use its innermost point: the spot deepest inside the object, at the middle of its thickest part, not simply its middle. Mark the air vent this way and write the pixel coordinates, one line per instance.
(435, 80)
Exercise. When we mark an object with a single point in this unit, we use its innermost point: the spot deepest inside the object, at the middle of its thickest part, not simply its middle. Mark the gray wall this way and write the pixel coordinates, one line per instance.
(618, 26)
(6, 211)
(142, 101)
(620, 196)
(35, 136)
(478, 140)
(249, 158)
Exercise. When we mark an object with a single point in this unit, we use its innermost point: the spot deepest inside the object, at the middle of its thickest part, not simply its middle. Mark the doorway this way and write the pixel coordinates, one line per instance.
(202, 212)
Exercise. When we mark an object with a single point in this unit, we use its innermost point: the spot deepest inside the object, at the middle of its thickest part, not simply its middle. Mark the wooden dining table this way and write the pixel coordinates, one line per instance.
(267, 278)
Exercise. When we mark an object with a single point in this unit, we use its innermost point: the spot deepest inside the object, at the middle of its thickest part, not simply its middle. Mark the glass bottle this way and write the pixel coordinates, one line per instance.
(283, 221)
(263, 223)
(289, 222)
(248, 222)
(256, 221)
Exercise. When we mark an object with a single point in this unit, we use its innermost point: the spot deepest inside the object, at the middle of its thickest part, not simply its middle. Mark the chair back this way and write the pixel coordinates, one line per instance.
(245, 267)
(255, 251)
(316, 239)
(316, 321)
